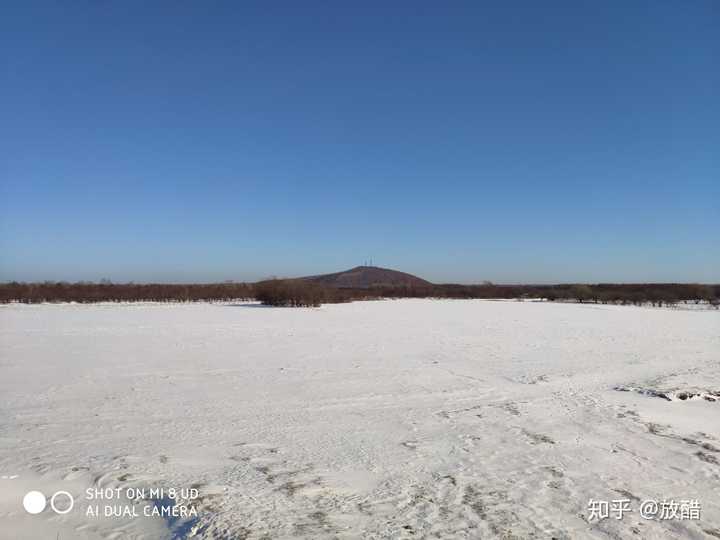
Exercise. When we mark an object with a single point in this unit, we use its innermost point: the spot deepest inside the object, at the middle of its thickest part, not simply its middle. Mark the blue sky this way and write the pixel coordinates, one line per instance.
(511, 141)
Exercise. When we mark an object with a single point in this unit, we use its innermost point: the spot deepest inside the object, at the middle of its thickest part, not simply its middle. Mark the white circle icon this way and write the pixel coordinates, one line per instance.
(66, 510)
(34, 502)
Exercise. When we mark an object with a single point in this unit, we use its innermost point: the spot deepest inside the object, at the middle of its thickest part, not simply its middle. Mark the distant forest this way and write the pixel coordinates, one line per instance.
(298, 292)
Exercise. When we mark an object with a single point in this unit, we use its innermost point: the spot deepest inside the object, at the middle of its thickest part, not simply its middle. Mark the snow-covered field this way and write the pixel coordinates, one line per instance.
(391, 419)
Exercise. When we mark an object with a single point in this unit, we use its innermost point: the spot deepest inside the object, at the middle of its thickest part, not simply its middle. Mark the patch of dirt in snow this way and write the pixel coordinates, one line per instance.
(673, 395)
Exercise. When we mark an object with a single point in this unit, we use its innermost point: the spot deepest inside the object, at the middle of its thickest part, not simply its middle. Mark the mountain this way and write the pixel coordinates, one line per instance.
(363, 277)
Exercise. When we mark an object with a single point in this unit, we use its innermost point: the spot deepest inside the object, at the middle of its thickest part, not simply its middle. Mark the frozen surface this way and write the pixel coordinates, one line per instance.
(392, 419)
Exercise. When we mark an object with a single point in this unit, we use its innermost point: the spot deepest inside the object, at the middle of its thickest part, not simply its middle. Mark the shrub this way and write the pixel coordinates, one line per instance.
(289, 292)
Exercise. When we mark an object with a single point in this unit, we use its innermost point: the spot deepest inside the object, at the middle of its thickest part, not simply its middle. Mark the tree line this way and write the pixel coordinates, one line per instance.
(87, 292)
(298, 292)
(606, 293)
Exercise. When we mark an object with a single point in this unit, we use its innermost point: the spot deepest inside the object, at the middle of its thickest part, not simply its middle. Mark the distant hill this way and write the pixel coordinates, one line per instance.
(363, 277)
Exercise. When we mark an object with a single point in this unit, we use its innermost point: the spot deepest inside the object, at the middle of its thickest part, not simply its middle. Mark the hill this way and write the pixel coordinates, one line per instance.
(363, 277)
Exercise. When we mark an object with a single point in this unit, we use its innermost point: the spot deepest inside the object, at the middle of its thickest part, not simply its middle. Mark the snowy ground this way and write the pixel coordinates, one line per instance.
(392, 419)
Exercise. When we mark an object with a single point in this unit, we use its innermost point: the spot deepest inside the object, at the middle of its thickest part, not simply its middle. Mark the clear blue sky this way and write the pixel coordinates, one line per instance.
(516, 141)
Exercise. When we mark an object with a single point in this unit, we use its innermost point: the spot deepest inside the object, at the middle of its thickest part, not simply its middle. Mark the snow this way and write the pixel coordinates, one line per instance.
(387, 419)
